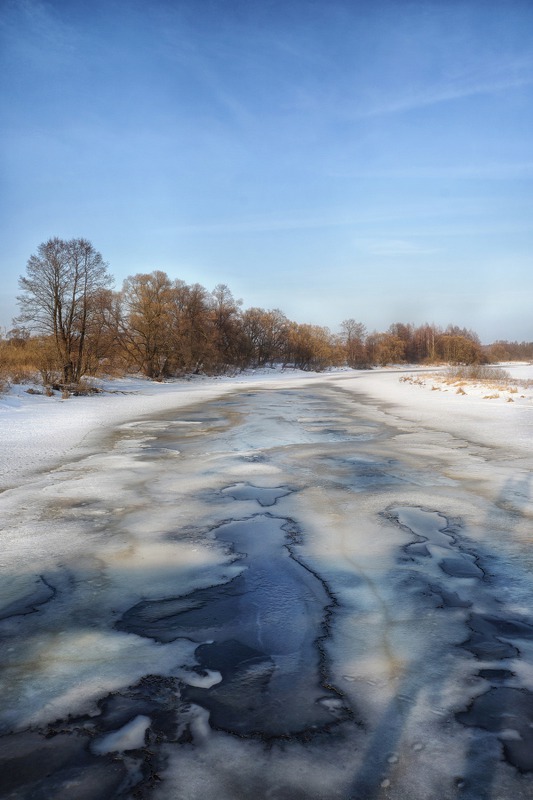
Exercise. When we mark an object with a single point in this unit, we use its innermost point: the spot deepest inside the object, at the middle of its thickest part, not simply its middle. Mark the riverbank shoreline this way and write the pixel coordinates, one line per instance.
(39, 432)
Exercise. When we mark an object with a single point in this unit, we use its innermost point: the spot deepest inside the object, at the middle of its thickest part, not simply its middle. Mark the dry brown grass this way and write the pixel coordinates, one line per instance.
(411, 379)
(478, 373)
(35, 360)
(17, 366)
(496, 379)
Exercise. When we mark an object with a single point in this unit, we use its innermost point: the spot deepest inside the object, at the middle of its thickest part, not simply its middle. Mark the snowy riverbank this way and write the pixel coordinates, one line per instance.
(39, 432)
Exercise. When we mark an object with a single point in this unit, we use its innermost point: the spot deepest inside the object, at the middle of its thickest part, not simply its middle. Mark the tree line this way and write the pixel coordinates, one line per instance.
(72, 323)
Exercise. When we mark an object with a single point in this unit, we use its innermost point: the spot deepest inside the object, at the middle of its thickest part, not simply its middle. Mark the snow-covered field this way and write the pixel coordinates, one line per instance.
(273, 586)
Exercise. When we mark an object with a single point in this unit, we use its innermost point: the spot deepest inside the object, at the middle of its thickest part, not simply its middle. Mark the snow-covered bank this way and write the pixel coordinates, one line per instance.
(476, 414)
(39, 432)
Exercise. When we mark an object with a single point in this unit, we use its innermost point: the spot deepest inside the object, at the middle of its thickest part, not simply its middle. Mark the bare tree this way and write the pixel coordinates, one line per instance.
(228, 334)
(193, 328)
(459, 349)
(59, 298)
(266, 334)
(385, 348)
(313, 347)
(353, 335)
(147, 333)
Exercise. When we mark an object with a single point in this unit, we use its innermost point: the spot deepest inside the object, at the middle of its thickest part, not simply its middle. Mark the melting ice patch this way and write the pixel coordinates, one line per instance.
(266, 657)
(130, 737)
(263, 495)
(64, 672)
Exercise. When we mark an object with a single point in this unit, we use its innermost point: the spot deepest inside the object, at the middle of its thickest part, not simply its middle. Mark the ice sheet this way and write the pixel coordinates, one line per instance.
(293, 588)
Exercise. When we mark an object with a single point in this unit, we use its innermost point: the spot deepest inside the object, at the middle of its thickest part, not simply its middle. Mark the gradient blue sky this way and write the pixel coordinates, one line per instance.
(333, 159)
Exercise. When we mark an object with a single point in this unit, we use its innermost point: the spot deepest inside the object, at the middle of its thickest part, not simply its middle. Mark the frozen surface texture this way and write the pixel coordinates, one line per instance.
(298, 589)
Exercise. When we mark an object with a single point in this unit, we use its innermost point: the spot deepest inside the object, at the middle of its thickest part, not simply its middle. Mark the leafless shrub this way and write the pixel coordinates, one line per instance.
(83, 388)
(477, 372)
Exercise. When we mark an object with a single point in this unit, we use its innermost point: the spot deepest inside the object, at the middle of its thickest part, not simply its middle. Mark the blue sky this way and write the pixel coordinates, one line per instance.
(333, 159)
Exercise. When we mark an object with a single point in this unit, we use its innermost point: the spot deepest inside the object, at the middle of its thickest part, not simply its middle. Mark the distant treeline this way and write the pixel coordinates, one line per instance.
(73, 324)
(510, 351)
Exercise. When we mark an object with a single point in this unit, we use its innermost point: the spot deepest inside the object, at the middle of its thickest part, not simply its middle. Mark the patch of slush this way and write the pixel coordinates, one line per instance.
(130, 737)
(23, 594)
(59, 673)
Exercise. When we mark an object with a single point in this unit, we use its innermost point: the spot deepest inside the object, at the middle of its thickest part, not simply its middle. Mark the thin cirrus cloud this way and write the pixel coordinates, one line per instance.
(394, 247)
(507, 76)
(38, 32)
(499, 171)
(265, 225)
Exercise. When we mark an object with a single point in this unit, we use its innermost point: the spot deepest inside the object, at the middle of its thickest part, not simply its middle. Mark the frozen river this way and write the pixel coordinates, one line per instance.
(285, 593)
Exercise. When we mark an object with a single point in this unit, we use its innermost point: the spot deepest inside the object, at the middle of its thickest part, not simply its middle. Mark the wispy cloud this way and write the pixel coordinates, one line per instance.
(498, 78)
(487, 171)
(36, 26)
(206, 58)
(417, 224)
(265, 225)
(394, 247)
